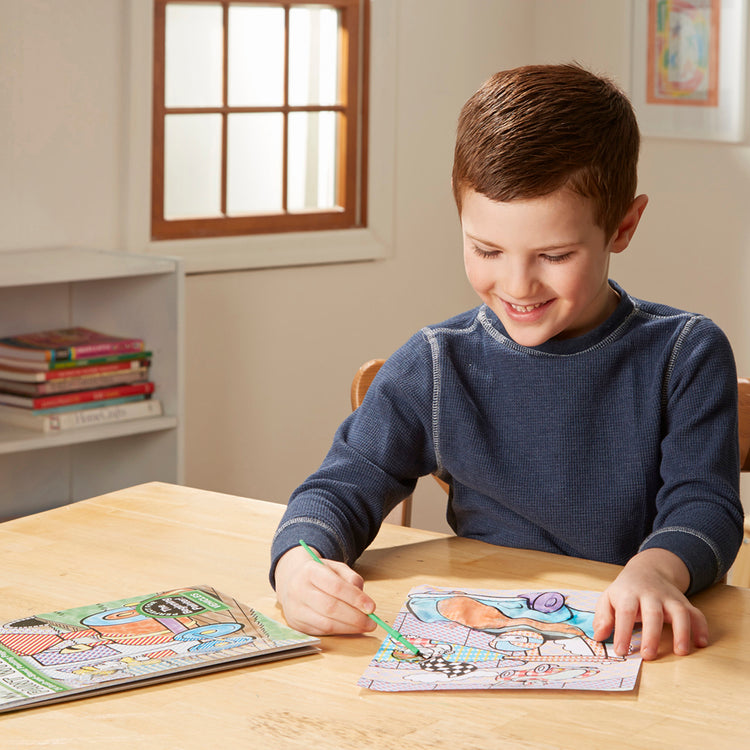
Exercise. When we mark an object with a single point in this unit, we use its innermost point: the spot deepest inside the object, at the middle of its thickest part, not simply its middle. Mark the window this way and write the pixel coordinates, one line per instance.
(258, 117)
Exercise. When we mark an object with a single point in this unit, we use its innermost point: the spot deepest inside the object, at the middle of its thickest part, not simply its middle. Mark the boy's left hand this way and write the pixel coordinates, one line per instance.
(649, 590)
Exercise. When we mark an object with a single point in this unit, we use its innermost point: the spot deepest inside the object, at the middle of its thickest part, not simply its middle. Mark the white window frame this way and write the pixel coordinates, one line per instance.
(210, 254)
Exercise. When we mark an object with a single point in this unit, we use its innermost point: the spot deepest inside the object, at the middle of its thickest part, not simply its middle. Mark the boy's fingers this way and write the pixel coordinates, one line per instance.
(681, 632)
(699, 626)
(342, 599)
(329, 580)
(689, 627)
(604, 618)
(327, 615)
(345, 572)
(652, 619)
(625, 617)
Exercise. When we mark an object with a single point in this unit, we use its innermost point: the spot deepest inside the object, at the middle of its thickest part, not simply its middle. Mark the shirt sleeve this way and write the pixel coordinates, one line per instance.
(378, 453)
(699, 514)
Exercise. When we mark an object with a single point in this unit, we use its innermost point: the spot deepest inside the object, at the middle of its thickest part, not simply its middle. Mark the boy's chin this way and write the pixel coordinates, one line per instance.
(529, 340)
(528, 336)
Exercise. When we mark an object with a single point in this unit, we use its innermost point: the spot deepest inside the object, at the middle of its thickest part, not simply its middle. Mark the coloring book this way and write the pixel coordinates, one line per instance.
(479, 639)
(134, 642)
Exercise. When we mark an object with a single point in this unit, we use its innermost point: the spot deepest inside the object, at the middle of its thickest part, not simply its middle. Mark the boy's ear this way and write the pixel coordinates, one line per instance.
(625, 231)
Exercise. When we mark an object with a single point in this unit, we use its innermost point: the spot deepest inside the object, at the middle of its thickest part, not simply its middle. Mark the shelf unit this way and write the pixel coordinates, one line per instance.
(120, 293)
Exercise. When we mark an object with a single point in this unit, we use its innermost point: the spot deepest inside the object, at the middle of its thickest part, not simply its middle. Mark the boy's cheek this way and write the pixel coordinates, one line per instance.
(481, 282)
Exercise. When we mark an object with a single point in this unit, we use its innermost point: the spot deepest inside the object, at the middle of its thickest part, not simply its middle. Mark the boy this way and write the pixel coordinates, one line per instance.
(567, 416)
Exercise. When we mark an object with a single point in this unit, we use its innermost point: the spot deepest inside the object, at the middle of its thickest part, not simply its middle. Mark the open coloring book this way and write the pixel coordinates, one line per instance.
(477, 639)
(133, 642)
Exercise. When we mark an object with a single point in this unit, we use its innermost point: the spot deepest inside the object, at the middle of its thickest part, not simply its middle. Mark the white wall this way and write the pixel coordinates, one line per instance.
(270, 354)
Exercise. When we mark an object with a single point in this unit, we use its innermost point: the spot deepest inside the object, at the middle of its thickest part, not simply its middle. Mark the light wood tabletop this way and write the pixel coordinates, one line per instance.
(156, 536)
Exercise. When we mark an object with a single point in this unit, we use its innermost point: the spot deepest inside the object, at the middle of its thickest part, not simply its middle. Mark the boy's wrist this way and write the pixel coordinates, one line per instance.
(667, 564)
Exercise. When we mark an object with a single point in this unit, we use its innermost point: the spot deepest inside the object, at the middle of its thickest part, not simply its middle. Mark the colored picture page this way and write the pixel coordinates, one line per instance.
(135, 641)
(472, 639)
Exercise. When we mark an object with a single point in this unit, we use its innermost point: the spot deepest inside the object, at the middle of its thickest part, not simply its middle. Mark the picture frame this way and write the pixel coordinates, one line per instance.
(689, 60)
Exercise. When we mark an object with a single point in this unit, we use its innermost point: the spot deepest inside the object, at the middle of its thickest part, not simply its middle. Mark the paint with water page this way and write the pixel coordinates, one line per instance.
(134, 642)
(478, 639)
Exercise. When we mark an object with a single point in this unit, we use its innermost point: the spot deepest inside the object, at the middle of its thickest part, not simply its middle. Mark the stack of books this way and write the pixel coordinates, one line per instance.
(74, 377)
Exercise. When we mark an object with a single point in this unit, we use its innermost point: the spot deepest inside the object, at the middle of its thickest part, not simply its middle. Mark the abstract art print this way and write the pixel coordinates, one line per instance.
(689, 68)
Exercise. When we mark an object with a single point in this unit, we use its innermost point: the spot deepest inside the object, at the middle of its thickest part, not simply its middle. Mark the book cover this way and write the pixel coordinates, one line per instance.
(37, 365)
(66, 344)
(78, 407)
(121, 410)
(77, 383)
(135, 642)
(78, 397)
(43, 375)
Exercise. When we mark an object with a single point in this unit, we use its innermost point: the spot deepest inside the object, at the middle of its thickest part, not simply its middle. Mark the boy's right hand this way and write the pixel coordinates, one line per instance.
(325, 599)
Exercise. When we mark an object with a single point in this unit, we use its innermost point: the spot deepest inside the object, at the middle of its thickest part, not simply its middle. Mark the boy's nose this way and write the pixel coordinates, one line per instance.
(520, 281)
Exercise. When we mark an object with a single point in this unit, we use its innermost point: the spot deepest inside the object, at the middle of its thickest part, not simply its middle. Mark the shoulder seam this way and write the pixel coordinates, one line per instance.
(430, 335)
(676, 349)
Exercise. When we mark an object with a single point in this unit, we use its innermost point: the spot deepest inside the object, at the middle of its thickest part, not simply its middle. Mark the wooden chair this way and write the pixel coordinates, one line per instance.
(361, 382)
(740, 575)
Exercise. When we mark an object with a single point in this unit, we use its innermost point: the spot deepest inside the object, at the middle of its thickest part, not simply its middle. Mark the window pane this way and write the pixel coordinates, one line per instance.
(192, 166)
(312, 160)
(313, 56)
(254, 169)
(193, 55)
(256, 56)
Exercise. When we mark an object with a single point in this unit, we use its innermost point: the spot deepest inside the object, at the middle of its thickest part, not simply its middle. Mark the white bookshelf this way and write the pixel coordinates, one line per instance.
(120, 293)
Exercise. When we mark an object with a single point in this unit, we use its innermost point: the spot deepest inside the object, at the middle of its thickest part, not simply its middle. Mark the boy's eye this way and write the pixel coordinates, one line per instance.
(556, 258)
(486, 253)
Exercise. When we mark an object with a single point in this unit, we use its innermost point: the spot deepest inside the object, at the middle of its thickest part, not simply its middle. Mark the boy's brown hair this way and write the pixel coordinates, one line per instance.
(532, 130)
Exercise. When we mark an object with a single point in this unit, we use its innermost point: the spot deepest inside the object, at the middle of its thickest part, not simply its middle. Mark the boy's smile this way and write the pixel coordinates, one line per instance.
(542, 264)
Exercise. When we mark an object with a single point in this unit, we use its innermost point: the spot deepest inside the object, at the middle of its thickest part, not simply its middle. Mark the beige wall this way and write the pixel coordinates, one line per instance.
(62, 115)
(270, 353)
(294, 337)
(692, 248)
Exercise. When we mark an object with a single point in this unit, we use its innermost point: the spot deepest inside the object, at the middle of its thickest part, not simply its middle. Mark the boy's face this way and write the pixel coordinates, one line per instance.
(540, 264)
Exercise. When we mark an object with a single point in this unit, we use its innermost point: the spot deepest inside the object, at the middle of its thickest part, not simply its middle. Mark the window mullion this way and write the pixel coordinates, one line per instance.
(158, 116)
(225, 113)
(285, 120)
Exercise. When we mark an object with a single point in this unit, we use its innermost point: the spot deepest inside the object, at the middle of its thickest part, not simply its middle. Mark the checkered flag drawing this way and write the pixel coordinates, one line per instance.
(448, 668)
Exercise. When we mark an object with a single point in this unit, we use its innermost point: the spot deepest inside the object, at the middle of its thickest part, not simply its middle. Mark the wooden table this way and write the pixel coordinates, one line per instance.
(157, 536)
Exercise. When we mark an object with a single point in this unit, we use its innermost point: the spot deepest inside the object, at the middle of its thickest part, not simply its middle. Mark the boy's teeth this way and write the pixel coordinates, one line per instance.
(526, 308)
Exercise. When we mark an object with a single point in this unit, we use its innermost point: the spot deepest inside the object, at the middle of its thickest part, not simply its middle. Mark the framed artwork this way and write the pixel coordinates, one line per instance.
(688, 68)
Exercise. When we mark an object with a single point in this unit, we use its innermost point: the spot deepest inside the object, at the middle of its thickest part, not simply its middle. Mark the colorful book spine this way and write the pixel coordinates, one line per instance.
(67, 344)
(67, 385)
(79, 407)
(79, 397)
(71, 420)
(36, 366)
(43, 376)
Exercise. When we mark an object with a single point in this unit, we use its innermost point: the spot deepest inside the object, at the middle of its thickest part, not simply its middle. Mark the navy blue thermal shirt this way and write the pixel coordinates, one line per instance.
(598, 446)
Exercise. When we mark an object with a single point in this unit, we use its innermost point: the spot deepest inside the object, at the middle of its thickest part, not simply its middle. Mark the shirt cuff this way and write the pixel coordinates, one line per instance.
(315, 535)
(696, 550)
